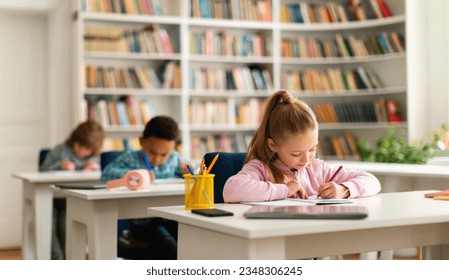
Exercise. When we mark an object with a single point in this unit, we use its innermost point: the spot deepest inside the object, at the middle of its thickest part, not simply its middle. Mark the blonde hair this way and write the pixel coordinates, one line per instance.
(284, 116)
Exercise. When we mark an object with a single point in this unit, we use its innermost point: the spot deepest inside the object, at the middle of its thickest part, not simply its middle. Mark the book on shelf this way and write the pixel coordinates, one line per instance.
(131, 7)
(202, 144)
(146, 110)
(331, 79)
(333, 11)
(394, 111)
(149, 39)
(120, 144)
(384, 8)
(361, 111)
(257, 10)
(342, 146)
(342, 46)
(132, 77)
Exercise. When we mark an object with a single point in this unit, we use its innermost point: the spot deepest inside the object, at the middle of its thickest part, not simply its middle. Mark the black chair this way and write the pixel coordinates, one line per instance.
(226, 165)
(42, 155)
(108, 157)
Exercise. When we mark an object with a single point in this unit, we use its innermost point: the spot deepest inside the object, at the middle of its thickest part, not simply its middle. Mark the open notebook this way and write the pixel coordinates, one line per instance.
(307, 212)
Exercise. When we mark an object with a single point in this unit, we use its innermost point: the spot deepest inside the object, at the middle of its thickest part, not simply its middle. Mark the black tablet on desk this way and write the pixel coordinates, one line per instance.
(81, 186)
(307, 212)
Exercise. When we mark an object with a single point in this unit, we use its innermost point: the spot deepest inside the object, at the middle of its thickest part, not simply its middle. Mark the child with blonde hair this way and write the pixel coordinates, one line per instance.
(281, 160)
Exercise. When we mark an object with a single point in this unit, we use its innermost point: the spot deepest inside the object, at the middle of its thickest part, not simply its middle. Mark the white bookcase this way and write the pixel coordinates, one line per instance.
(208, 110)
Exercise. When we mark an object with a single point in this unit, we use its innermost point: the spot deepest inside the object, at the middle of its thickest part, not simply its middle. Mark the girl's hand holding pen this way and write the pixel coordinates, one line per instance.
(333, 190)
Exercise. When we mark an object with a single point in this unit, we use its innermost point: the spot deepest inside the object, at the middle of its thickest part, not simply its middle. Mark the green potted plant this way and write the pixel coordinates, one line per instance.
(393, 148)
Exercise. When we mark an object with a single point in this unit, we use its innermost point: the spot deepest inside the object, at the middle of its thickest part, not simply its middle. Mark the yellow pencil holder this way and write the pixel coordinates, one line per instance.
(199, 191)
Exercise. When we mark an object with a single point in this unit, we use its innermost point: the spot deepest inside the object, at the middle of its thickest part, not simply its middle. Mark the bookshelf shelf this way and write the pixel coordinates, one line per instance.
(353, 25)
(230, 93)
(130, 91)
(340, 126)
(131, 56)
(343, 60)
(223, 128)
(235, 24)
(124, 18)
(231, 59)
(360, 92)
(215, 82)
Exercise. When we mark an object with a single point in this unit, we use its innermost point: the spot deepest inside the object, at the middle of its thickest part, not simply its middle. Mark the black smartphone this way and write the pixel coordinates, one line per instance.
(212, 212)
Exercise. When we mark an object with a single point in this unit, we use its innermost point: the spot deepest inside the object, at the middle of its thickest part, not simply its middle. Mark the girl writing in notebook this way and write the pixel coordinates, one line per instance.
(281, 160)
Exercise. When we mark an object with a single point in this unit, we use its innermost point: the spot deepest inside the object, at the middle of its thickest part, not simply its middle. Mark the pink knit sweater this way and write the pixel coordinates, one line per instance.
(253, 182)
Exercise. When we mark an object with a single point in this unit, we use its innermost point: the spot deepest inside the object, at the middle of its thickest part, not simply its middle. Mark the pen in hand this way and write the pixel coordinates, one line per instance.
(147, 162)
(336, 173)
(333, 177)
(191, 171)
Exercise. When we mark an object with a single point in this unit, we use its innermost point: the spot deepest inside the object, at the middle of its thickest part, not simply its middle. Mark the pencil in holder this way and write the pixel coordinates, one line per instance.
(199, 191)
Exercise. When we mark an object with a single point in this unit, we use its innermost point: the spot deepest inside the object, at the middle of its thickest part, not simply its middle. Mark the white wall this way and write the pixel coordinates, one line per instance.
(428, 65)
(438, 63)
(23, 111)
(35, 84)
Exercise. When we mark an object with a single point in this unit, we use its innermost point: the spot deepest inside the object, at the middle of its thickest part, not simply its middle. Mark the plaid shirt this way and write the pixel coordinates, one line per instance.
(132, 160)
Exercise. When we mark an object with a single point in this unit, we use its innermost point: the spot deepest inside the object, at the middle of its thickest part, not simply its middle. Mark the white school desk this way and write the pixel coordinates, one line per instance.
(92, 216)
(396, 220)
(402, 177)
(37, 199)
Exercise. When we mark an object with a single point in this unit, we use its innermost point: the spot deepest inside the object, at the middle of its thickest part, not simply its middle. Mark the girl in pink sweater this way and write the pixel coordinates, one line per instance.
(281, 160)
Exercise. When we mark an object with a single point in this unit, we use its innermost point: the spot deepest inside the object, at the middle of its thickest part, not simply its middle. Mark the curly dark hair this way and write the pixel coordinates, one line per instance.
(163, 127)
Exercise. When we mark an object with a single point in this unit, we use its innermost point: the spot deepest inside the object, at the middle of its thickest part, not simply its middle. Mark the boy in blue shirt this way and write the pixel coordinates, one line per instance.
(157, 237)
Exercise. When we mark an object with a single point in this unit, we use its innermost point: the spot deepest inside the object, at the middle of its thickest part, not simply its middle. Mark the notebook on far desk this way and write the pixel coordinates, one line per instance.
(307, 212)
(81, 186)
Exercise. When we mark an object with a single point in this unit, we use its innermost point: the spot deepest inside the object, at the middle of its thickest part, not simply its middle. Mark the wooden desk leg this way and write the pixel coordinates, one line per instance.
(91, 223)
(37, 221)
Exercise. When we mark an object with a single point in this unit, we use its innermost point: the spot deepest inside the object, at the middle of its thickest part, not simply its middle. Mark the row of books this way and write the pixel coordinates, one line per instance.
(214, 42)
(132, 7)
(343, 46)
(342, 146)
(237, 142)
(331, 79)
(215, 112)
(120, 144)
(380, 110)
(151, 39)
(237, 78)
(133, 77)
(120, 112)
(334, 11)
(256, 10)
